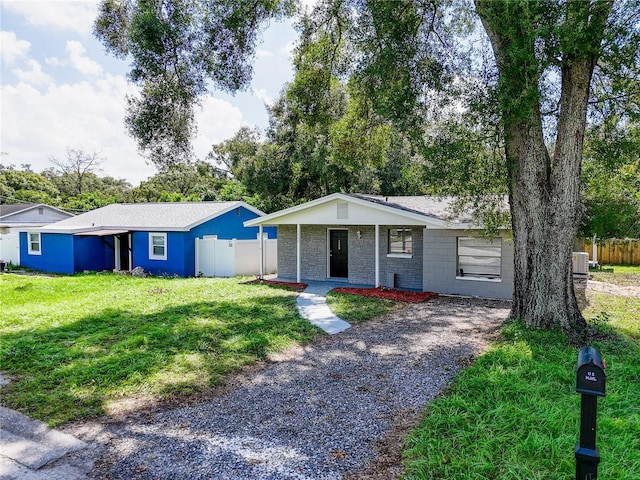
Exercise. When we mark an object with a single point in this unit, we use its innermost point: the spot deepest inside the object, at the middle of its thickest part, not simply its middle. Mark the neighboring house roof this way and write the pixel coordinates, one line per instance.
(146, 217)
(435, 212)
(30, 214)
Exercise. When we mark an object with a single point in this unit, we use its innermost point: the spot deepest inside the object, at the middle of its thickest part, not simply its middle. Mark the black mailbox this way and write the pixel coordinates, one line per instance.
(590, 377)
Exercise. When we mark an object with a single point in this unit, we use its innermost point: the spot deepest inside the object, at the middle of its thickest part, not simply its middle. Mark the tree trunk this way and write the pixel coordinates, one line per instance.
(544, 192)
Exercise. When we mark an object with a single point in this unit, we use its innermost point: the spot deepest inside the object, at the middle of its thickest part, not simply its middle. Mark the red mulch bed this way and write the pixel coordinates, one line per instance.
(298, 287)
(389, 294)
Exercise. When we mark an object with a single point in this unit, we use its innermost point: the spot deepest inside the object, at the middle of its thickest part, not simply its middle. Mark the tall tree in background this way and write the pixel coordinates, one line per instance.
(77, 167)
(402, 58)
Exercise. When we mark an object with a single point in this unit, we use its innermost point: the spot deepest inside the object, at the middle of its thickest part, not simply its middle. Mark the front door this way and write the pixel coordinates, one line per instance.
(338, 253)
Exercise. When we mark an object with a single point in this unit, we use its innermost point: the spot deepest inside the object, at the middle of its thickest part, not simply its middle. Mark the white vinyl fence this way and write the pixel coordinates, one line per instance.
(228, 258)
(10, 247)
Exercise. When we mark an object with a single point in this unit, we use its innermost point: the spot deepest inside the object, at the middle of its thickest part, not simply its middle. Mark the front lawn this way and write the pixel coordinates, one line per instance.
(515, 413)
(76, 346)
(357, 308)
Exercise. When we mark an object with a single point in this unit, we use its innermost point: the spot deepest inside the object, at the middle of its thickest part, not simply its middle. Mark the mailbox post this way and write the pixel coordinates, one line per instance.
(590, 383)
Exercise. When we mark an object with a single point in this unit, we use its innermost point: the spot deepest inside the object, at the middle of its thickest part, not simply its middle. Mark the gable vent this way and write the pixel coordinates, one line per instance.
(343, 211)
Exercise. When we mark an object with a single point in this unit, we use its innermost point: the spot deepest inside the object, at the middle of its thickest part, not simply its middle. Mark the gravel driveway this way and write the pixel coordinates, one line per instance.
(330, 410)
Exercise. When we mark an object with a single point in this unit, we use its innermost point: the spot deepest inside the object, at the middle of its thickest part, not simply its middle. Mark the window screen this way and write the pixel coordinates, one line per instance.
(400, 240)
(479, 257)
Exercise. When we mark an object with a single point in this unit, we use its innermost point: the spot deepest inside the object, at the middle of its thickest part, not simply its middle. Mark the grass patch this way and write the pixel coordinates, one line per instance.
(356, 308)
(74, 345)
(515, 414)
(626, 275)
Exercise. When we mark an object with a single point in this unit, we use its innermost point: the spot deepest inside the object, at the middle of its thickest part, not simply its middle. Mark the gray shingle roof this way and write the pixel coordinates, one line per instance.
(441, 208)
(10, 209)
(147, 216)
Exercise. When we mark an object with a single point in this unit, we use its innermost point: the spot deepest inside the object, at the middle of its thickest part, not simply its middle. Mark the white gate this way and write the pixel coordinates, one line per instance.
(10, 247)
(228, 258)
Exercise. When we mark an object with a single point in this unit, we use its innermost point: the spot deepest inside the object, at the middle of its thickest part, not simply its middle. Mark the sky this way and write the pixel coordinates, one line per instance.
(60, 89)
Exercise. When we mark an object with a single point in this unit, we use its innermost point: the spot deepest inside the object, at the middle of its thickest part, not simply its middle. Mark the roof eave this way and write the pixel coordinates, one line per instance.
(421, 219)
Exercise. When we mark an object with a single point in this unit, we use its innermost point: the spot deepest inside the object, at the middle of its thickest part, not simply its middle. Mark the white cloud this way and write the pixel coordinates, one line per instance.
(262, 94)
(90, 116)
(217, 121)
(12, 48)
(287, 50)
(76, 16)
(261, 53)
(36, 125)
(33, 76)
(76, 58)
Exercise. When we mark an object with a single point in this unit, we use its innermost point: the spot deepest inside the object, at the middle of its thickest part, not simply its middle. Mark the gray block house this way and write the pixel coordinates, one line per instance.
(407, 242)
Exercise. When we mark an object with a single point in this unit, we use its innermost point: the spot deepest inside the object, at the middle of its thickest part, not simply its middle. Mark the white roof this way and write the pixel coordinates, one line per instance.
(146, 217)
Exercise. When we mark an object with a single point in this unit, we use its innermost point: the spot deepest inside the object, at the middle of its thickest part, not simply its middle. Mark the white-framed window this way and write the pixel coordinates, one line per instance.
(35, 243)
(479, 258)
(400, 241)
(157, 246)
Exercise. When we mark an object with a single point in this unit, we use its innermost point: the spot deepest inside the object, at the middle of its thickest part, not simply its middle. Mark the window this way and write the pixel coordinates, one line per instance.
(157, 246)
(479, 257)
(400, 241)
(34, 243)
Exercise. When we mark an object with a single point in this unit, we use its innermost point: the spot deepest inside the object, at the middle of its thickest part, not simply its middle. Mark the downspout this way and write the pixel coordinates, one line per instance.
(261, 251)
(377, 255)
(298, 242)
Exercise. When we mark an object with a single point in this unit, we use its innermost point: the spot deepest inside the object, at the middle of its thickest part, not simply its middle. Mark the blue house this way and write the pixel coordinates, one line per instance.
(159, 237)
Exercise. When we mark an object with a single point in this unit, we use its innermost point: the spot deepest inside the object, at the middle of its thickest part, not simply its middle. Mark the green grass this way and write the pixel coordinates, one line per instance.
(356, 308)
(74, 346)
(514, 414)
(618, 274)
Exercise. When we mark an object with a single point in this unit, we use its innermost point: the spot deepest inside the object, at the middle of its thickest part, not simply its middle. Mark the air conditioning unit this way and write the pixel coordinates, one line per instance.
(580, 262)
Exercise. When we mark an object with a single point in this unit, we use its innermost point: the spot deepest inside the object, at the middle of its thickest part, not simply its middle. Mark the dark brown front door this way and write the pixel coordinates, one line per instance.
(338, 253)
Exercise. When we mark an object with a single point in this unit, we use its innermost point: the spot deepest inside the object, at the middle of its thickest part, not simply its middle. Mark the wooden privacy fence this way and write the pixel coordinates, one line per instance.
(618, 251)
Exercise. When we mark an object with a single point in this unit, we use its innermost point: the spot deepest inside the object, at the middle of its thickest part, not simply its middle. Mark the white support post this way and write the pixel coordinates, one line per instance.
(197, 265)
(261, 250)
(298, 243)
(377, 255)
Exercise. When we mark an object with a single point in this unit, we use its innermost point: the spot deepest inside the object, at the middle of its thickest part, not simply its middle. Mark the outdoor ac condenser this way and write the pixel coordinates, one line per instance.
(580, 262)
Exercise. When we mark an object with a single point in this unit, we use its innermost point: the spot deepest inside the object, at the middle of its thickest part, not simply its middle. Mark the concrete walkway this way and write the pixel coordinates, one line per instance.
(29, 450)
(312, 305)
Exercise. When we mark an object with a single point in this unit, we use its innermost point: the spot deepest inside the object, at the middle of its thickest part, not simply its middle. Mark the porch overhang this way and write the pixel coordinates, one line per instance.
(100, 233)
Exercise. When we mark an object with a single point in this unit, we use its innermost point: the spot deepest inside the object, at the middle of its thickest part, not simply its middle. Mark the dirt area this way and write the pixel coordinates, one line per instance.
(611, 289)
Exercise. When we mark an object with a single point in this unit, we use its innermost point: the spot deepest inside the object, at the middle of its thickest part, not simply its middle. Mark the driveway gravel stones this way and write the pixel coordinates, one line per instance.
(321, 411)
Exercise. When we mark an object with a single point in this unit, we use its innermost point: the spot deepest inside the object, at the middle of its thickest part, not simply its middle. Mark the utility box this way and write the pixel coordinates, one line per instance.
(580, 262)
(590, 376)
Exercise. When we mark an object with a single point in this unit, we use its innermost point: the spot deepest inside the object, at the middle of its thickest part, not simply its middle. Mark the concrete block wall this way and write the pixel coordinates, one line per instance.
(362, 264)
(287, 251)
(314, 253)
(440, 267)
(408, 270)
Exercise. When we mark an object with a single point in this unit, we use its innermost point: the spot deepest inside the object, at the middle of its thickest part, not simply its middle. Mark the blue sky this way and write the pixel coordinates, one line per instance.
(60, 89)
